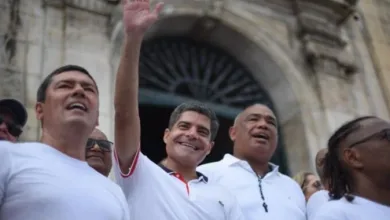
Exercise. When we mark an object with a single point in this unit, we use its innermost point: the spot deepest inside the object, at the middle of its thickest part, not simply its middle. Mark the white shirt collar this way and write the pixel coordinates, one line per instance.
(230, 160)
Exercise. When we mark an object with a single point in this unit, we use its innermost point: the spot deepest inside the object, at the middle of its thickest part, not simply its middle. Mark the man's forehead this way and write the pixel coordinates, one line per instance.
(194, 118)
(98, 134)
(73, 76)
(259, 109)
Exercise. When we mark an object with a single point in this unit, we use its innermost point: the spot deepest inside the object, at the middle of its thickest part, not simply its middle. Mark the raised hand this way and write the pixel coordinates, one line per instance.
(138, 16)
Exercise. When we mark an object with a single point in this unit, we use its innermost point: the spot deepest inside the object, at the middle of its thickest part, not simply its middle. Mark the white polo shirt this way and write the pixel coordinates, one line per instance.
(359, 209)
(315, 202)
(154, 193)
(283, 197)
(38, 182)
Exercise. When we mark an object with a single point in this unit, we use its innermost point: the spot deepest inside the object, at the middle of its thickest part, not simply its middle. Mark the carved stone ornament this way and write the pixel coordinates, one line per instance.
(320, 30)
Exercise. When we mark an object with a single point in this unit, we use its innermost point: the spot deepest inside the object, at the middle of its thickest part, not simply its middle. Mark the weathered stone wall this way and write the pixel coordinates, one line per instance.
(44, 35)
(320, 65)
(376, 18)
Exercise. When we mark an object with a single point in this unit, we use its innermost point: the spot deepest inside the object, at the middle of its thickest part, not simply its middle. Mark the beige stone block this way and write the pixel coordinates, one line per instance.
(52, 60)
(105, 126)
(375, 27)
(34, 57)
(31, 130)
(368, 7)
(295, 145)
(335, 93)
(31, 7)
(32, 84)
(336, 119)
(13, 59)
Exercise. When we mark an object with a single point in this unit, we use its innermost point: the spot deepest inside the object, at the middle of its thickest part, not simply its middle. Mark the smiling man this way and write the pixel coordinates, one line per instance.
(174, 191)
(13, 117)
(262, 192)
(51, 180)
(98, 153)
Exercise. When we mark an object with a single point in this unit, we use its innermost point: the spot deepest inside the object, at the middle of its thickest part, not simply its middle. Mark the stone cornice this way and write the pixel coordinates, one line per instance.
(321, 24)
(103, 7)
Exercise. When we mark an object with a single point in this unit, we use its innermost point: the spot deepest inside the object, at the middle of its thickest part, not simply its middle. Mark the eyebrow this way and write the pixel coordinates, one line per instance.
(71, 81)
(197, 125)
(261, 115)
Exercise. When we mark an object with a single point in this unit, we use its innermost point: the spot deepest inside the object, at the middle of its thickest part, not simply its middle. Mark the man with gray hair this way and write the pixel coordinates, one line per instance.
(261, 190)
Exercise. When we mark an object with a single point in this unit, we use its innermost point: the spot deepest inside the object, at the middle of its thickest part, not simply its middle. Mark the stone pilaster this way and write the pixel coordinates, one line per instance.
(11, 51)
(329, 55)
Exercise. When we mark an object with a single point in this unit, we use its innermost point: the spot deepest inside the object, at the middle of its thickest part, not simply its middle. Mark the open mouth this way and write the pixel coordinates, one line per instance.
(78, 106)
(193, 147)
(261, 136)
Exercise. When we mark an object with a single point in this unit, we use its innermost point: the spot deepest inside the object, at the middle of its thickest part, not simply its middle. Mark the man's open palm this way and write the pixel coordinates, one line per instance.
(137, 16)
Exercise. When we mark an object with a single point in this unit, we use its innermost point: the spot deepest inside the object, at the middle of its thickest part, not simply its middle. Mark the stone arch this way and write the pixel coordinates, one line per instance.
(295, 101)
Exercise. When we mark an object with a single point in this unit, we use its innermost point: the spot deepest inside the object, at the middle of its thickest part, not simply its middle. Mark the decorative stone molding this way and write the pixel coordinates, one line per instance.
(384, 16)
(321, 32)
(10, 51)
(103, 7)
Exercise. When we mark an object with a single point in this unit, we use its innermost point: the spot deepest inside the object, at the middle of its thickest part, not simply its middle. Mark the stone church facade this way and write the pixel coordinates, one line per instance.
(317, 63)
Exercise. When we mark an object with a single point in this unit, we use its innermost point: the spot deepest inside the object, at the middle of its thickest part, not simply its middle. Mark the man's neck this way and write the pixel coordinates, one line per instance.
(369, 190)
(71, 145)
(260, 168)
(188, 173)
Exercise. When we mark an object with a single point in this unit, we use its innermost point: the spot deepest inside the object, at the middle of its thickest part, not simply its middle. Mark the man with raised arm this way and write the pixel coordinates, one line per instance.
(51, 180)
(172, 190)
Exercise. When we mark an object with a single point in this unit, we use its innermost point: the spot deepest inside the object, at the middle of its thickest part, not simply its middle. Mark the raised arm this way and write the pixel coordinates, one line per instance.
(137, 18)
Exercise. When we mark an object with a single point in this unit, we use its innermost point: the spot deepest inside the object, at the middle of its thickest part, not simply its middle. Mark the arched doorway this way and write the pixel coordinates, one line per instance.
(173, 67)
(273, 64)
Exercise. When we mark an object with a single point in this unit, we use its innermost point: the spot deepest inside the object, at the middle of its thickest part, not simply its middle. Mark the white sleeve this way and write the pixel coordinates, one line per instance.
(329, 213)
(299, 196)
(315, 202)
(142, 171)
(5, 168)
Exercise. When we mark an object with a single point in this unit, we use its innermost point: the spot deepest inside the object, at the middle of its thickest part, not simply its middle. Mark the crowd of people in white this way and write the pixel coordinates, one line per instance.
(64, 175)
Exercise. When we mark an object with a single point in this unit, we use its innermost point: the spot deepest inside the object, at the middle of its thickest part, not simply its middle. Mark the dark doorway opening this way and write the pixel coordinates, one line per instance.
(154, 121)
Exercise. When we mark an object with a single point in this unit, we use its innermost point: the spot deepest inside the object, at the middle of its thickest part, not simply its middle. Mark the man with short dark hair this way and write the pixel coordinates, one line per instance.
(261, 190)
(13, 117)
(98, 153)
(173, 190)
(52, 180)
(358, 171)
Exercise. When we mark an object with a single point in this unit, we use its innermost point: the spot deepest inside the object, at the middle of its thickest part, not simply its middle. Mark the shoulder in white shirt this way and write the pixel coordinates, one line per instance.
(315, 202)
(156, 193)
(280, 191)
(38, 182)
(358, 209)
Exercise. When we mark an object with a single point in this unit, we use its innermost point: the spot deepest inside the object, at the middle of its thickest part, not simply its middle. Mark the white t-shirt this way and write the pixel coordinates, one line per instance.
(283, 196)
(358, 209)
(315, 202)
(155, 193)
(38, 182)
